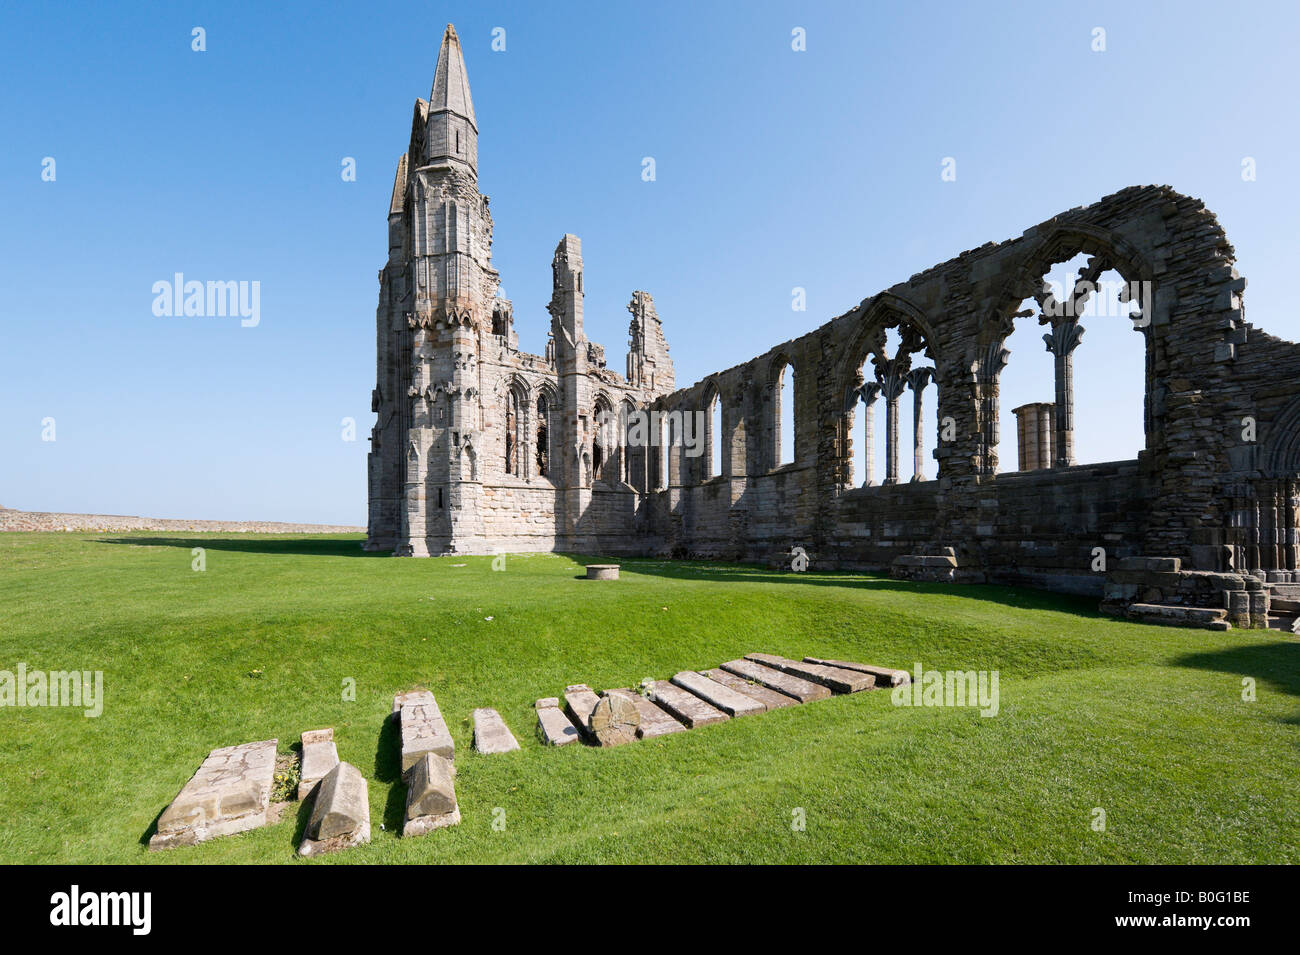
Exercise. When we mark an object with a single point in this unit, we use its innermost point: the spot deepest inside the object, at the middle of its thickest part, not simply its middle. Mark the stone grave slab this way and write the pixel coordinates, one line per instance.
(885, 676)
(340, 813)
(686, 707)
(422, 727)
(805, 691)
(319, 756)
(716, 695)
(770, 699)
(839, 681)
(553, 727)
(491, 735)
(655, 721)
(580, 700)
(430, 796)
(230, 792)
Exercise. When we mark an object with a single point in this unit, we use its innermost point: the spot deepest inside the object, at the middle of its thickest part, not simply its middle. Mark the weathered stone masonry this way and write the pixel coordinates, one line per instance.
(455, 464)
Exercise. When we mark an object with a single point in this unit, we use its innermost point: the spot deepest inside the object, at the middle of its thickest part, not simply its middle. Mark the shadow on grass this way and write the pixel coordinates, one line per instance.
(153, 827)
(1022, 598)
(303, 546)
(1278, 663)
(388, 769)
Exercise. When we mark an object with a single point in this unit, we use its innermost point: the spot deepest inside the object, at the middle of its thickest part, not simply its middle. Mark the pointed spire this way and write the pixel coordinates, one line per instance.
(450, 81)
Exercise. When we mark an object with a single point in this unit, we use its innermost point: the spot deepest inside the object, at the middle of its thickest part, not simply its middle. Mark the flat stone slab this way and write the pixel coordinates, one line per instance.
(340, 813)
(491, 734)
(580, 700)
(885, 676)
(230, 792)
(686, 707)
(805, 691)
(423, 728)
(770, 699)
(839, 681)
(717, 695)
(655, 721)
(430, 796)
(553, 727)
(319, 756)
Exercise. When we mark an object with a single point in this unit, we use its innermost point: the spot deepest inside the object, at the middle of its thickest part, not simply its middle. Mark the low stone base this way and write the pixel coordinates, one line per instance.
(602, 571)
(421, 825)
(937, 569)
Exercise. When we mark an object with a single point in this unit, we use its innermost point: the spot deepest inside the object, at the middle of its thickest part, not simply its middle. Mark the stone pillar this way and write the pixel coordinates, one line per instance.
(1061, 341)
(892, 387)
(869, 393)
(917, 379)
(1035, 431)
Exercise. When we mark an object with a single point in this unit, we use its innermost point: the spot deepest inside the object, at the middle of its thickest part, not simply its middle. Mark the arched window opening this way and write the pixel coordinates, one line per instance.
(783, 417)
(543, 436)
(715, 436)
(602, 427)
(661, 440)
(625, 452)
(895, 436)
(513, 456)
(1074, 386)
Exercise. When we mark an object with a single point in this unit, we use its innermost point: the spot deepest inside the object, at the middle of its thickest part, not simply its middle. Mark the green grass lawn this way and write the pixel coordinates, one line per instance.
(1147, 723)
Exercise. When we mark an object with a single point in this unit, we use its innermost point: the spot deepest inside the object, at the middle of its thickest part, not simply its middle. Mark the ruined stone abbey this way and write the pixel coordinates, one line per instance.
(480, 447)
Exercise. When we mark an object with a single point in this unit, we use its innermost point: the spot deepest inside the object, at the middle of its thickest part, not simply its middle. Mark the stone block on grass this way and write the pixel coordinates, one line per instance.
(422, 727)
(805, 691)
(319, 756)
(430, 796)
(553, 727)
(835, 679)
(686, 707)
(491, 735)
(230, 792)
(655, 721)
(716, 695)
(340, 813)
(885, 676)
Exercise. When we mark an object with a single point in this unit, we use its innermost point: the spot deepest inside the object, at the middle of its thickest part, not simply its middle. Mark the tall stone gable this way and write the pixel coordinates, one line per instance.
(478, 446)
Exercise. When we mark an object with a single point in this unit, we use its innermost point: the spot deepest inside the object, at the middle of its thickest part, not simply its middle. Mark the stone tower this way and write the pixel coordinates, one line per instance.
(436, 294)
(479, 446)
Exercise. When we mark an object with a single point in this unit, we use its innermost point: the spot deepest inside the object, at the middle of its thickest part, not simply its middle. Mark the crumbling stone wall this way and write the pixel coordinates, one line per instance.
(1216, 485)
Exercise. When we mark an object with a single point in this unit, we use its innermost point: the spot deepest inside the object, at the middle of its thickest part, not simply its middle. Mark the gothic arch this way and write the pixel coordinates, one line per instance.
(1106, 251)
(1280, 450)
(892, 375)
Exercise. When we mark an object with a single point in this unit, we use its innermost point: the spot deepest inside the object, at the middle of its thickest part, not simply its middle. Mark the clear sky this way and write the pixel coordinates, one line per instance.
(774, 169)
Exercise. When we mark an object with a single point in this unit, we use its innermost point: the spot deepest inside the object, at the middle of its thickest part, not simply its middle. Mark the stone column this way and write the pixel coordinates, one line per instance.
(917, 379)
(1061, 341)
(892, 387)
(869, 393)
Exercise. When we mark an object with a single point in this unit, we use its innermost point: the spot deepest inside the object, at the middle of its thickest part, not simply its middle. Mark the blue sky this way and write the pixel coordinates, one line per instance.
(775, 169)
